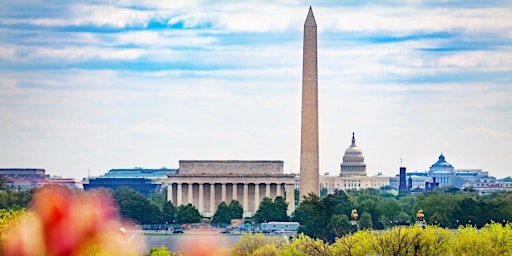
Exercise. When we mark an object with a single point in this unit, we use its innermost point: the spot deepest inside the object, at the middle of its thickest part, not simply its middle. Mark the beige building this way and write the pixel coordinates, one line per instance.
(332, 183)
(205, 184)
(352, 173)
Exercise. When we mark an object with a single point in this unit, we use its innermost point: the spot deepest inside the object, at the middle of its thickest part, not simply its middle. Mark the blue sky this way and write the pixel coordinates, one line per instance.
(95, 85)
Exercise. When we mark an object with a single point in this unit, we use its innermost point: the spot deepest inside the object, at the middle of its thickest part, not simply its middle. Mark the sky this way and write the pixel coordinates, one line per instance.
(87, 86)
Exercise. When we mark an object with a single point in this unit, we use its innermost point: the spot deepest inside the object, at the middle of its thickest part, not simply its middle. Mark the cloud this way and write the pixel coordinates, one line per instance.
(105, 82)
(486, 132)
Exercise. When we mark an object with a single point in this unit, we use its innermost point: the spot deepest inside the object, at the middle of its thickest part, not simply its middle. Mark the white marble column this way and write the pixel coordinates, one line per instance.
(256, 197)
(169, 193)
(235, 191)
(179, 195)
(190, 193)
(279, 192)
(246, 197)
(212, 198)
(201, 199)
(290, 198)
(223, 192)
(267, 190)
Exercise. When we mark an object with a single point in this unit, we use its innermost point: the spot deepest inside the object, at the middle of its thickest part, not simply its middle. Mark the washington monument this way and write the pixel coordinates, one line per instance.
(309, 163)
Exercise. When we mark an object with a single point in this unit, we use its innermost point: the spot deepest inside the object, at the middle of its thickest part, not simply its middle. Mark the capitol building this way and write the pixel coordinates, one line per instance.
(352, 173)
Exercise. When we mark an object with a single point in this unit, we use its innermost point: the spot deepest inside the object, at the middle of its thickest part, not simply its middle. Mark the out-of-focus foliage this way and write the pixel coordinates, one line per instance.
(162, 251)
(307, 246)
(257, 244)
(8, 220)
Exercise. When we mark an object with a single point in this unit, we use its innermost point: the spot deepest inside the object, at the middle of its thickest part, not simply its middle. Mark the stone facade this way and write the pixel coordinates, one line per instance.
(309, 156)
(332, 183)
(230, 167)
(205, 184)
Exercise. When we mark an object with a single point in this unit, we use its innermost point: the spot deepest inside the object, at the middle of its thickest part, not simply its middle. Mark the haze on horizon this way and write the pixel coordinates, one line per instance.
(117, 84)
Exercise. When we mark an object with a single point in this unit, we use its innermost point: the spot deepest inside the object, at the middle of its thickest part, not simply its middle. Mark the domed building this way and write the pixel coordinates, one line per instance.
(353, 161)
(441, 165)
(353, 174)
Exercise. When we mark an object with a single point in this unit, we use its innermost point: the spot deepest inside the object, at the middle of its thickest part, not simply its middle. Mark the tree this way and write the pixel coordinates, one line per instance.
(281, 209)
(236, 210)
(159, 198)
(296, 194)
(265, 211)
(159, 251)
(371, 206)
(15, 200)
(468, 242)
(407, 203)
(272, 210)
(188, 214)
(3, 183)
(390, 209)
(258, 244)
(169, 212)
(134, 205)
(470, 210)
(339, 226)
(313, 217)
(222, 215)
(338, 203)
(403, 218)
(365, 222)
(439, 219)
(307, 246)
(445, 204)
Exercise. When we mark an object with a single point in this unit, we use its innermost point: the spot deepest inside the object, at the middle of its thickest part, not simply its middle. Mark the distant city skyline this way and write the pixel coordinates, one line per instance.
(116, 84)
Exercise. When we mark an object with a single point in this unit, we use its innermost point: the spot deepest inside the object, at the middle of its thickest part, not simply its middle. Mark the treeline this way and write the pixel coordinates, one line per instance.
(329, 217)
(320, 217)
(15, 200)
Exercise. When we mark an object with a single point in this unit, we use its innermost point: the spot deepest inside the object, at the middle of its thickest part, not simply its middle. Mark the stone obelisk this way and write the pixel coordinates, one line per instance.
(309, 159)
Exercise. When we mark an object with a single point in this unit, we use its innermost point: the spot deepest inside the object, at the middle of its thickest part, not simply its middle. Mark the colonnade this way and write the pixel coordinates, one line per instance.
(205, 196)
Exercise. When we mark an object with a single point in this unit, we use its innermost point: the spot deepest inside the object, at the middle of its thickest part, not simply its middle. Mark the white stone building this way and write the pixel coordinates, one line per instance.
(205, 184)
(352, 173)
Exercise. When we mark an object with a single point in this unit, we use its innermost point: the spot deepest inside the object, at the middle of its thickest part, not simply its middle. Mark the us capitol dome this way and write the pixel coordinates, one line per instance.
(353, 161)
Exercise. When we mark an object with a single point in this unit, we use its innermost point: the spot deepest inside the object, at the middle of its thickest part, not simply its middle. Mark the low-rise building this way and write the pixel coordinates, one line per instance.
(488, 187)
(145, 181)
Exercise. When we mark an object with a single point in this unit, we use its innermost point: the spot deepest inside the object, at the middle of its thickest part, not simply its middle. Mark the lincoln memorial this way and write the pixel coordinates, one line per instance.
(205, 184)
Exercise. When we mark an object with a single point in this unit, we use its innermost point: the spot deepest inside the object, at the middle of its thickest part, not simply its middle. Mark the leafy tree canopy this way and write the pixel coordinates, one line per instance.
(188, 214)
(272, 210)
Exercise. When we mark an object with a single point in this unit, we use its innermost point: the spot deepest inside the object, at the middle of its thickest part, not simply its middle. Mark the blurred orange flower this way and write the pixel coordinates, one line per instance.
(65, 222)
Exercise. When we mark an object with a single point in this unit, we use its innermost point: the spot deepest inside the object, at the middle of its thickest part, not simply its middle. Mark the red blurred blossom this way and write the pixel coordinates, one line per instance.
(66, 222)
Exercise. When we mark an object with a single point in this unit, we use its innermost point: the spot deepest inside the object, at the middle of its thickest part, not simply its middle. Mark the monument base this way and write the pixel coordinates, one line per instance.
(421, 223)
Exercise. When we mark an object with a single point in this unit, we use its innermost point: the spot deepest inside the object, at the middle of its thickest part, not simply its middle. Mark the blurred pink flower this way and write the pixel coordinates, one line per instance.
(65, 222)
